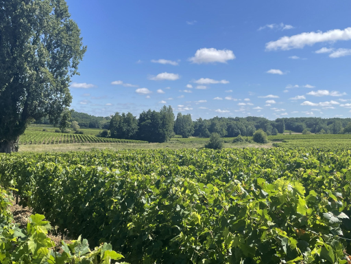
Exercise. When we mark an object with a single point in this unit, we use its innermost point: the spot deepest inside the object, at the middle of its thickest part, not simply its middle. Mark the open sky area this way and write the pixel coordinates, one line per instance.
(214, 58)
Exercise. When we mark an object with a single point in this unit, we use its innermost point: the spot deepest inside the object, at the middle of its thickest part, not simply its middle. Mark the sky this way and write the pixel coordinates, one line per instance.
(214, 58)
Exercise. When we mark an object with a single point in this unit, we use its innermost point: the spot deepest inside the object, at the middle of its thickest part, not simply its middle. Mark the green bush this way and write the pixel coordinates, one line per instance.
(306, 131)
(215, 142)
(57, 131)
(260, 136)
(239, 139)
(79, 132)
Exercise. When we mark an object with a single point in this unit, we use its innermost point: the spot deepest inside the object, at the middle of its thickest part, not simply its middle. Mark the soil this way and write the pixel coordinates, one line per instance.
(21, 216)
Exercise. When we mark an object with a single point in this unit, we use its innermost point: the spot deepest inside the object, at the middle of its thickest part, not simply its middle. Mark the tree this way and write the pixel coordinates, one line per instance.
(183, 125)
(306, 132)
(260, 136)
(337, 127)
(275, 131)
(347, 129)
(65, 120)
(75, 126)
(124, 126)
(215, 142)
(40, 49)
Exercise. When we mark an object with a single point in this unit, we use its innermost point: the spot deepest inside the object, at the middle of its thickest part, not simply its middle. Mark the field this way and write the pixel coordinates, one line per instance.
(195, 206)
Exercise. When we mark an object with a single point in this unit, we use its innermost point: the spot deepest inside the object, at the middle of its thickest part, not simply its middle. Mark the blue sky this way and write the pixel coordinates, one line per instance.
(214, 58)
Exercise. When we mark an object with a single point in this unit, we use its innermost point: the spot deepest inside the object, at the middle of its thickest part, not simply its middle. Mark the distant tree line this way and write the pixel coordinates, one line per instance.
(160, 126)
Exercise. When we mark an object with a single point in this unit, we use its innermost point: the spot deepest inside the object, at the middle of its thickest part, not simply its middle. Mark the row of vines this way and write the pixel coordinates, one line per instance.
(31, 137)
(195, 206)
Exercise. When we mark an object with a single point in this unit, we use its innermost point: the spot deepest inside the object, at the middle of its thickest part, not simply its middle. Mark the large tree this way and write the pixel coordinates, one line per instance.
(40, 49)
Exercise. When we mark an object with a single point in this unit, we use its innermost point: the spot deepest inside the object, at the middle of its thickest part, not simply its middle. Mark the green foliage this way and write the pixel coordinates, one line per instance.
(347, 129)
(65, 121)
(238, 139)
(41, 42)
(104, 133)
(34, 246)
(306, 131)
(183, 125)
(193, 206)
(123, 126)
(75, 126)
(215, 142)
(260, 137)
(274, 131)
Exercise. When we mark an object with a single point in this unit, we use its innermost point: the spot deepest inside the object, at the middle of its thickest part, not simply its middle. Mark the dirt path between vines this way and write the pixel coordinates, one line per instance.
(21, 216)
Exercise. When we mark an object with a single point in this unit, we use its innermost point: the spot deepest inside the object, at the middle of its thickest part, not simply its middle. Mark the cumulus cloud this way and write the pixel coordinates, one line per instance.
(163, 61)
(229, 91)
(257, 108)
(185, 91)
(271, 102)
(241, 104)
(143, 91)
(324, 50)
(309, 86)
(165, 76)
(84, 102)
(290, 86)
(108, 104)
(210, 81)
(82, 85)
(247, 99)
(280, 26)
(325, 93)
(201, 87)
(221, 111)
(218, 98)
(163, 102)
(189, 86)
(340, 53)
(202, 107)
(275, 71)
(298, 97)
(201, 101)
(212, 55)
(309, 38)
(230, 98)
(160, 91)
(324, 104)
(269, 96)
(123, 84)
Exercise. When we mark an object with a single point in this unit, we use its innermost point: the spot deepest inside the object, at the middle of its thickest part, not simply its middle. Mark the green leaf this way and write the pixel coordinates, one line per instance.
(328, 253)
(301, 207)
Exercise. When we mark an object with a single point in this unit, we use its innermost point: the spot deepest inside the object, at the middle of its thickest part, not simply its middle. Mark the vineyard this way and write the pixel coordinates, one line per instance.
(34, 137)
(195, 206)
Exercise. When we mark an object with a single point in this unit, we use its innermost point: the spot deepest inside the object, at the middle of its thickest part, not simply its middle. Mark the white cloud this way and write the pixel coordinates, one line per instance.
(309, 38)
(249, 103)
(309, 86)
(229, 91)
(285, 91)
(168, 88)
(124, 84)
(191, 23)
(84, 102)
(165, 76)
(325, 93)
(218, 98)
(241, 104)
(202, 107)
(324, 50)
(275, 71)
(139, 61)
(201, 101)
(284, 114)
(182, 108)
(269, 96)
(163, 102)
(270, 102)
(143, 91)
(201, 87)
(186, 91)
(181, 96)
(247, 99)
(294, 57)
(160, 91)
(298, 97)
(212, 55)
(163, 61)
(346, 105)
(230, 98)
(148, 97)
(82, 85)
(289, 86)
(340, 53)
(210, 81)
(189, 86)
(257, 108)
(280, 26)
(324, 104)
(221, 111)
(170, 99)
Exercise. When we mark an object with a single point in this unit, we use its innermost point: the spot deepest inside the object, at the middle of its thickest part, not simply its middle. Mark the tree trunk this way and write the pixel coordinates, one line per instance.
(8, 146)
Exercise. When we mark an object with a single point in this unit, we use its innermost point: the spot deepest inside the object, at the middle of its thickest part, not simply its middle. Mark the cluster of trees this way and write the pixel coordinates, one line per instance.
(152, 126)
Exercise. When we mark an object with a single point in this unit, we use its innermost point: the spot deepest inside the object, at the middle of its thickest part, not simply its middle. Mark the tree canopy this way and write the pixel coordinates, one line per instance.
(40, 49)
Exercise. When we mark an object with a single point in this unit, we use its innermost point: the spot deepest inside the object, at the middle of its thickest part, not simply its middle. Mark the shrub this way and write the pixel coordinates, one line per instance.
(274, 132)
(260, 136)
(44, 129)
(57, 131)
(79, 132)
(104, 133)
(238, 139)
(306, 131)
(215, 142)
